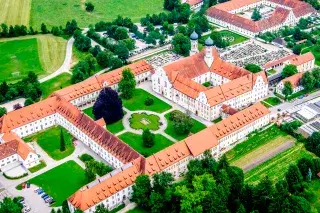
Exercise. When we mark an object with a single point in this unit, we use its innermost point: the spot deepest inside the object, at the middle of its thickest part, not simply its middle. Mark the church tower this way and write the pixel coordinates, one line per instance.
(194, 43)
(208, 58)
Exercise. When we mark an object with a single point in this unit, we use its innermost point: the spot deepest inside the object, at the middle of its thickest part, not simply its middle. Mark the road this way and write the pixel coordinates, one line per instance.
(294, 105)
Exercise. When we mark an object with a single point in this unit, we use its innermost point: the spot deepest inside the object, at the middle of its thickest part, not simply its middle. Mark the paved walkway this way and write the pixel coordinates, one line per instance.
(163, 120)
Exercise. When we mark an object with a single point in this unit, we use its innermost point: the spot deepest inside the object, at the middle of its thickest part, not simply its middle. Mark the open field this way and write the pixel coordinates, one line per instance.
(54, 84)
(137, 102)
(62, 181)
(15, 12)
(49, 12)
(42, 54)
(135, 141)
(235, 38)
(276, 167)
(49, 141)
(170, 130)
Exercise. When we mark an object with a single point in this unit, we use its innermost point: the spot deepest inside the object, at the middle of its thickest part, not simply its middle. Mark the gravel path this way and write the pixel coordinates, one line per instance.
(266, 156)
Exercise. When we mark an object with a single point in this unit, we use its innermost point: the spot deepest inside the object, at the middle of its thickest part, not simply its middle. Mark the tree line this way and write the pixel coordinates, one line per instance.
(210, 186)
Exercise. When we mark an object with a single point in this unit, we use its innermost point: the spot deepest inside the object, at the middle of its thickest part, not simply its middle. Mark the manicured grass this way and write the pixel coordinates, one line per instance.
(49, 141)
(15, 12)
(58, 12)
(316, 52)
(89, 112)
(38, 167)
(137, 210)
(135, 141)
(170, 130)
(137, 102)
(152, 121)
(237, 38)
(217, 120)
(62, 181)
(276, 167)
(254, 141)
(113, 128)
(42, 54)
(272, 101)
(54, 84)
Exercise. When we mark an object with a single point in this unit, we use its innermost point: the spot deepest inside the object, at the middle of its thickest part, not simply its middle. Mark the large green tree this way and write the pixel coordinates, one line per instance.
(287, 89)
(294, 179)
(127, 84)
(253, 68)
(7, 205)
(142, 191)
(256, 16)
(308, 81)
(181, 44)
(62, 141)
(289, 70)
(315, 73)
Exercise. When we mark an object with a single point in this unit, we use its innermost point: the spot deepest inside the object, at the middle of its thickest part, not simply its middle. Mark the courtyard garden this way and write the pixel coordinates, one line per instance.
(136, 142)
(144, 121)
(137, 102)
(170, 130)
(62, 181)
(49, 141)
(41, 54)
(271, 101)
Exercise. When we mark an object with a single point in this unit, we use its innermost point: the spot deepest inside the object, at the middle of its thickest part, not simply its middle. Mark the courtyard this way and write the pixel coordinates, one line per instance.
(155, 117)
(49, 141)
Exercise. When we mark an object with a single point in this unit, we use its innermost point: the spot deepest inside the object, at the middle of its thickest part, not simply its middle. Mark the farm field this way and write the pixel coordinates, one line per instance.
(42, 54)
(49, 12)
(276, 167)
(61, 181)
(15, 12)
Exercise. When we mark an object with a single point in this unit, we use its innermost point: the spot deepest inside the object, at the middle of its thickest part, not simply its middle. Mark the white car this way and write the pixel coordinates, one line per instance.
(27, 209)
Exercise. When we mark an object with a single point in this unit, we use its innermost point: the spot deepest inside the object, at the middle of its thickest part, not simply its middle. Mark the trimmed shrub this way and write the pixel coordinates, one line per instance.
(149, 101)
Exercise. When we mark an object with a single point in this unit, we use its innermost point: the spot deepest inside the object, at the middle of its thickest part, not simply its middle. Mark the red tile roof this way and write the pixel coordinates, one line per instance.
(15, 146)
(294, 79)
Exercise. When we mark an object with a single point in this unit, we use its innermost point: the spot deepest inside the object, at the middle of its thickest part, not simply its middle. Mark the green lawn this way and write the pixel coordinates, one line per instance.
(58, 12)
(135, 141)
(54, 84)
(62, 181)
(137, 119)
(89, 112)
(316, 52)
(137, 102)
(276, 167)
(49, 141)
(271, 101)
(254, 141)
(17, 58)
(137, 210)
(38, 167)
(237, 38)
(113, 128)
(217, 120)
(170, 130)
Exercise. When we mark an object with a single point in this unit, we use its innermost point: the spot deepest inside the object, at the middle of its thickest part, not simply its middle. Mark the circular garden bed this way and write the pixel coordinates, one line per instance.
(144, 121)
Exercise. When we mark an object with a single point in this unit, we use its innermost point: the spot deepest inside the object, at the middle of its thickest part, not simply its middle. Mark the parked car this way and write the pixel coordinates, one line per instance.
(40, 192)
(21, 200)
(52, 201)
(37, 189)
(44, 195)
(27, 209)
(48, 199)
